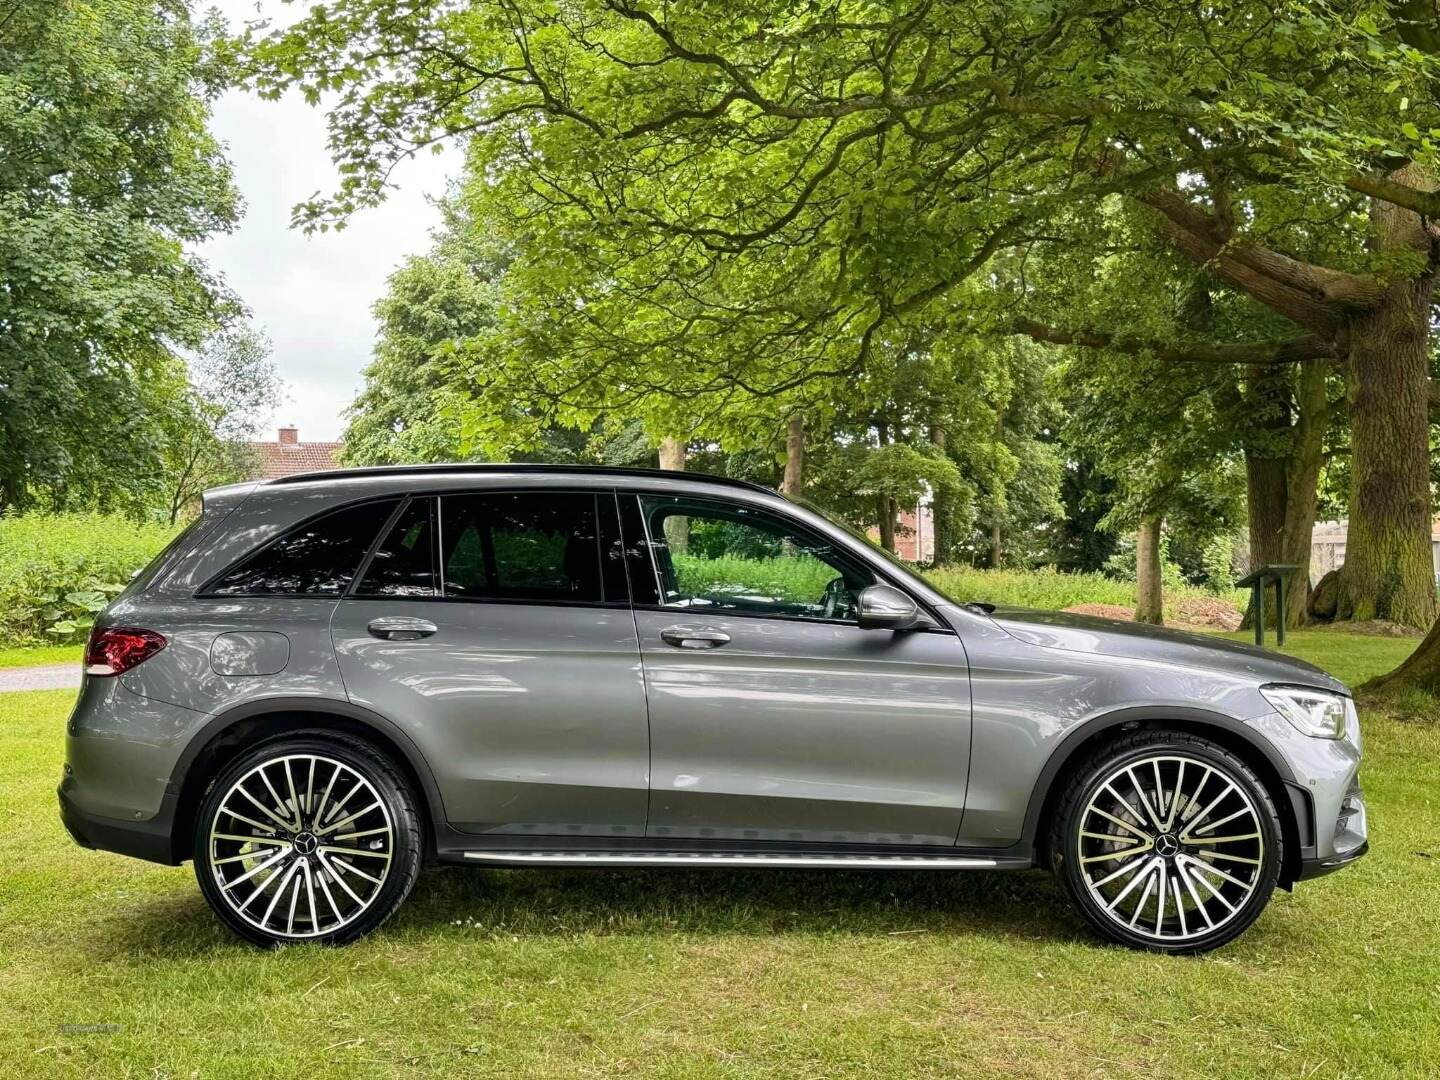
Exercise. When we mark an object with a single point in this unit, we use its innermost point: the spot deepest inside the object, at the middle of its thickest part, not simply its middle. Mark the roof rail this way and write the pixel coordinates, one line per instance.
(448, 468)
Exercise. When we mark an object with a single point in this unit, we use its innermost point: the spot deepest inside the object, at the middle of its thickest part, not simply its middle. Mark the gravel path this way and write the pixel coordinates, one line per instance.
(44, 677)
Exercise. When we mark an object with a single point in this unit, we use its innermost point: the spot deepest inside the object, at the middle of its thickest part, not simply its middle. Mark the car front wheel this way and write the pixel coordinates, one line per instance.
(1167, 841)
(307, 838)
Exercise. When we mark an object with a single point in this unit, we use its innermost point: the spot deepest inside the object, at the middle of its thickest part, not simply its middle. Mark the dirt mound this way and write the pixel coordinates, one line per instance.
(1209, 612)
(1196, 612)
(1105, 611)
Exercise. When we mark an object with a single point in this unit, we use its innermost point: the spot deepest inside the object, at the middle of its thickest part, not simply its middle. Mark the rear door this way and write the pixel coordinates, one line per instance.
(773, 715)
(495, 626)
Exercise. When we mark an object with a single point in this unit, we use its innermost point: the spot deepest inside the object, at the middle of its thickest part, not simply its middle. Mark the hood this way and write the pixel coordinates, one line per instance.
(1137, 641)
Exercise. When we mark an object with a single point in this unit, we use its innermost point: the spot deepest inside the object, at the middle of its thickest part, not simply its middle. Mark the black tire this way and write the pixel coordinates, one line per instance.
(1209, 910)
(390, 854)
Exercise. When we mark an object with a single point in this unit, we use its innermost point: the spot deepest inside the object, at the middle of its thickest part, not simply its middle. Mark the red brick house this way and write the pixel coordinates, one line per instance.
(914, 534)
(288, 455)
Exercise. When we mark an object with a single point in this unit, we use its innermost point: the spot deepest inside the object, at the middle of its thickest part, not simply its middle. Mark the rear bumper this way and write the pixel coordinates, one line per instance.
(151, 839)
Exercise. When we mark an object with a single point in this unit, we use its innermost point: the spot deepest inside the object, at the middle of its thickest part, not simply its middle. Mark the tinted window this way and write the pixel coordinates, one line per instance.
(524, 546)
(724, 558)
(316, 559)
(404, 562)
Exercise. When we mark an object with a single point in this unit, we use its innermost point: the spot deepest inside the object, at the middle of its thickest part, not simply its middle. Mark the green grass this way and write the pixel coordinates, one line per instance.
(1352, 658)
(674, 974)
(28, 655)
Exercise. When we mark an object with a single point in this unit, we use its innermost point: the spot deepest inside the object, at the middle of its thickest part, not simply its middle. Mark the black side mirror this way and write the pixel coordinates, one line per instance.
(884, 607)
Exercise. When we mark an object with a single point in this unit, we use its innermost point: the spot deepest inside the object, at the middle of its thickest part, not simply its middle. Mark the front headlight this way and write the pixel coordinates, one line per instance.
(1317, 713)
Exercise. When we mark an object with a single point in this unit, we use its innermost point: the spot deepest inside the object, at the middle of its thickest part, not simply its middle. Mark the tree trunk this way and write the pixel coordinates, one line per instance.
(1149, 602)
(887, 523)
(1281, 497)
(940, 508)
(995, 543)
(1388, 571)
(673, 453)
(794, 482)
(1302, 478)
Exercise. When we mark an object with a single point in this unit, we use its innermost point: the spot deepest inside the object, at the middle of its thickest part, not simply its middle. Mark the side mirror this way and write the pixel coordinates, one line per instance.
(884, 607)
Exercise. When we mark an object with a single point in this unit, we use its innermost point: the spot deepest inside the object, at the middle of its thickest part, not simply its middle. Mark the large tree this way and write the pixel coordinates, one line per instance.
(208, 429)
(809, 178)
(107, 172)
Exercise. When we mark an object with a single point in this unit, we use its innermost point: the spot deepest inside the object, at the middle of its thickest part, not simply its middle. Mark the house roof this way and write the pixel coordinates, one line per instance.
(277, 459)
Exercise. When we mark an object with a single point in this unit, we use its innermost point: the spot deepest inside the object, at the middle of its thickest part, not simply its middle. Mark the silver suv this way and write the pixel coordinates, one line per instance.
(331, 679)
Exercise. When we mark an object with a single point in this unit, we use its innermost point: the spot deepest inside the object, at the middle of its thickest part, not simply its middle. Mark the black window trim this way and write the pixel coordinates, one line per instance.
(880, 572)
(207, 590)
(381, 537)
(623, 603)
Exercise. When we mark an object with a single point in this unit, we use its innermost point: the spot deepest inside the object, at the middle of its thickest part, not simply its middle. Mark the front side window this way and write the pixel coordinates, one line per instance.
(536, 546)
(713, 557)
(318, 558)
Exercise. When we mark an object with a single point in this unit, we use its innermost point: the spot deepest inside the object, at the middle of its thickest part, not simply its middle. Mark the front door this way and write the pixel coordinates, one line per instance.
(773, 715)
(496, 628)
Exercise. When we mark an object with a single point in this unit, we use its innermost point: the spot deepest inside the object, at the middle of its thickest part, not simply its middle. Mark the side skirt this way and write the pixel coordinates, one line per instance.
(792, 860)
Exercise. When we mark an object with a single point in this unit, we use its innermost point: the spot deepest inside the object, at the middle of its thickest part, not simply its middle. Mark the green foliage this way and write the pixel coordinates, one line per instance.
(1054, 590)
(233, 387)
(797, 579)
(58, 570)
(108, 176)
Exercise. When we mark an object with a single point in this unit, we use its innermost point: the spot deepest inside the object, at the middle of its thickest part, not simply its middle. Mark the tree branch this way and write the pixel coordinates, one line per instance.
(1296, 350)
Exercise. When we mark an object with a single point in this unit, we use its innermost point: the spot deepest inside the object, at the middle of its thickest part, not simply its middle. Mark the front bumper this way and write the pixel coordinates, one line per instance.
(151, 839)
(1313, 868)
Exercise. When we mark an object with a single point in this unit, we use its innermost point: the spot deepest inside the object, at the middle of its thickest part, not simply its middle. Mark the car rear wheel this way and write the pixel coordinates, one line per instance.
(1167, 841)
(307, 838)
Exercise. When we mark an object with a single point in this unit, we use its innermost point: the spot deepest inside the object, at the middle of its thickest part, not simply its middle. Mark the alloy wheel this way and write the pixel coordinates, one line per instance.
(1170, 847)
(300, 846)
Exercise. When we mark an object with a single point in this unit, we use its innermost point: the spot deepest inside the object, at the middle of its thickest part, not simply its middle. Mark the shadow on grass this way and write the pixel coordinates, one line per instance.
(567, 903)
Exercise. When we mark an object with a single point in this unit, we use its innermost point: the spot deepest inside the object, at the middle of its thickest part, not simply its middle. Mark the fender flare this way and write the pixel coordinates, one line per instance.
(1190, 715)
(221, 722)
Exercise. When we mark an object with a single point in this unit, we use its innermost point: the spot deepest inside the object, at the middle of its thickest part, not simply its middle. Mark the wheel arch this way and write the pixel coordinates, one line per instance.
(235, 731)
(1291, 800)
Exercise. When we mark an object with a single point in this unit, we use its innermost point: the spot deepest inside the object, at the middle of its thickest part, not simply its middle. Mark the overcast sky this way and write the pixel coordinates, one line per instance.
(311, 294)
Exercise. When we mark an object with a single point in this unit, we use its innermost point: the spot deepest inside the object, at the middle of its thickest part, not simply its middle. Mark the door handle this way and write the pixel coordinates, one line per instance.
(400, 628)
(689, 637)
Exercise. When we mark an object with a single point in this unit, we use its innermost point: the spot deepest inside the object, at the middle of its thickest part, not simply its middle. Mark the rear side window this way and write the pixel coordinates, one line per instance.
(404, 562)
(534, 546)
(318, 558)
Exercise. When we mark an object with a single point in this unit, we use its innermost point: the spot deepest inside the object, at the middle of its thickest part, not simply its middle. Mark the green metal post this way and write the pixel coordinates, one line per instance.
(1281, 611)
(1258, 592)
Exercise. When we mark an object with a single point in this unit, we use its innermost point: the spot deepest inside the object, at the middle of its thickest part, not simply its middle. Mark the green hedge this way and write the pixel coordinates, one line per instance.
(798, 578)
(57, 570)
(1054, 589)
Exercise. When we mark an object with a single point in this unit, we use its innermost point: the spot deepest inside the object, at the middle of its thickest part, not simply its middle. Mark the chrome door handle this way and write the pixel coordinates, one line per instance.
(400, 628)
(689, 637)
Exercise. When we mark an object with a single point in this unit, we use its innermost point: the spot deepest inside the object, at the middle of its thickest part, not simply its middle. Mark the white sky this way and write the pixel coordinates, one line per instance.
(311, 294)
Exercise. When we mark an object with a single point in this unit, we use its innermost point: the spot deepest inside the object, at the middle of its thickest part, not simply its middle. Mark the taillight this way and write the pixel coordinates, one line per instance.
(117, 649)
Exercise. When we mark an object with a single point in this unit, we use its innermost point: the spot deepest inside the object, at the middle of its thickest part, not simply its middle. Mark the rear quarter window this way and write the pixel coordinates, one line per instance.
(319, 557)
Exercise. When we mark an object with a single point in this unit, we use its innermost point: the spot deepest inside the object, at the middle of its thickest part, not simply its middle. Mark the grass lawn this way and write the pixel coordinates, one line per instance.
(28, 655)
(678, 974)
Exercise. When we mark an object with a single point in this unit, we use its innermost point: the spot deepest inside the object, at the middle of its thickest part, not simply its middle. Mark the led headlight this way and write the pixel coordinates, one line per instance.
(1317, 713)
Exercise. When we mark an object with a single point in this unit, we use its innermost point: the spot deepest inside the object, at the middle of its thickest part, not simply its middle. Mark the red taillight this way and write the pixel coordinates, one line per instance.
(117, 649)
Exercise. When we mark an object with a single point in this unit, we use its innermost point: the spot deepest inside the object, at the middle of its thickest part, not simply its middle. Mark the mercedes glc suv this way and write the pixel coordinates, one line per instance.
(330, 680)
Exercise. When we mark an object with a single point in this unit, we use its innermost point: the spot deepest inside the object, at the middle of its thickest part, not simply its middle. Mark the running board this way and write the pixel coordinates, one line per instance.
(718, 858)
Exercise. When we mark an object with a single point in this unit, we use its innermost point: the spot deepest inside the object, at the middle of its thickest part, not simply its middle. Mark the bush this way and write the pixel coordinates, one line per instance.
(58, 570)
(796, 579)
(1054, 589)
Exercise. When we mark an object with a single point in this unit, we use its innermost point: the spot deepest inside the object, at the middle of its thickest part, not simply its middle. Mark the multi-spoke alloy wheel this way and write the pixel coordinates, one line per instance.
(1170, 842)
(307, 840)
